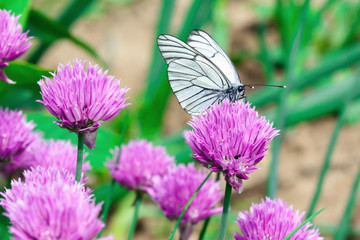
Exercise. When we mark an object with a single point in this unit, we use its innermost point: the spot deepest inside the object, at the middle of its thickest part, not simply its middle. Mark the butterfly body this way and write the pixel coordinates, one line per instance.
(235, 92)
(200, 73)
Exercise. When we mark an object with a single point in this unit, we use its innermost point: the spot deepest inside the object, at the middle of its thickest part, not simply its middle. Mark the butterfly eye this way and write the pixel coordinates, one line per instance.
(241, 88)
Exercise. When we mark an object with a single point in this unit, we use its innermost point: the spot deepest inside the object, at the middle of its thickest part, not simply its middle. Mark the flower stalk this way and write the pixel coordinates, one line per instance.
(136, 212)
(225, 213)
(80, 153)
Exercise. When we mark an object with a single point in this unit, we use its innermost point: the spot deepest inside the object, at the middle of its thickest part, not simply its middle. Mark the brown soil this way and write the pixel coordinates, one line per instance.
(124, 37)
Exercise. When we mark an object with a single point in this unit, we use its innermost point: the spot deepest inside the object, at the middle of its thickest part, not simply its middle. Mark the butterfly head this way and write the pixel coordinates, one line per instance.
(240, 92)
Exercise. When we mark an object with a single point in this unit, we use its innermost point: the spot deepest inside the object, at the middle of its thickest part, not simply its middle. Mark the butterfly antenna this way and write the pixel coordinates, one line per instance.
(266, 85)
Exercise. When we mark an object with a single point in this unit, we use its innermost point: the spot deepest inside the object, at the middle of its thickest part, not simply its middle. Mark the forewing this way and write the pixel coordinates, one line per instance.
(203, 43)
(172, 48)
(196, 83)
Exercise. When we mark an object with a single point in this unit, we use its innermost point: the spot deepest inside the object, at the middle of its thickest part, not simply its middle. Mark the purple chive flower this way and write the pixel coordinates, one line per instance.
(81, 98)
(273, 219)
(139, 162)
(16, 133)
(173, 190)
(230, 137)
(13, 43)
(50, 205)
(51, 153)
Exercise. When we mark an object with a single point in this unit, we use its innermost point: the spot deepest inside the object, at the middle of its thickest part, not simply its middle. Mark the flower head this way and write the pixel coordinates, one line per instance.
(16, 133)
(13, 43)
(139, 162)
(230, 137)
(81, 98)
(50, 205)
(273, 219)
(173, 190)
(51, 153)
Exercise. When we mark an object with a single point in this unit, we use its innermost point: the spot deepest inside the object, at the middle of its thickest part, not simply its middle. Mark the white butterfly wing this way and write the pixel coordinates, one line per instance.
(196, 82)
(172, 48)
(203, 43)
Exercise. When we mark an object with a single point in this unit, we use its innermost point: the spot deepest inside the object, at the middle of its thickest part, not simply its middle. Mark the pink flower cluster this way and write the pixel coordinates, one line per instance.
(16, 134)
(139, 161)
(49, 204)
(81, 97)
(273, 219)
(13, 42)
(230, 137)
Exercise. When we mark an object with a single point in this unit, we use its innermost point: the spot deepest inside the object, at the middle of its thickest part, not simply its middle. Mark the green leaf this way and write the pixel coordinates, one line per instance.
(73, 11)
(18, 7)
(49, 31)
(26, 89)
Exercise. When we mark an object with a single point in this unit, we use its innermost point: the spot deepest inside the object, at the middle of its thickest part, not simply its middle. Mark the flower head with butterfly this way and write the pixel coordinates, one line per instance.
(228, 135)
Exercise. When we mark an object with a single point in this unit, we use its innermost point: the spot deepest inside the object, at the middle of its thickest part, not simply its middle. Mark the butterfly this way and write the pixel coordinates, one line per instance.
(200, 73)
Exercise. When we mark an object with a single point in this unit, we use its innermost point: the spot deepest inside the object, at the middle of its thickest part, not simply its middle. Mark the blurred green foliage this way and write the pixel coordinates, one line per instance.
(322, 73)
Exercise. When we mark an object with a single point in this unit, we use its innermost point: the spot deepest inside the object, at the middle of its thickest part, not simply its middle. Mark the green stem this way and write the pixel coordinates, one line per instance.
(206, 222)
(282, 110)
(135, 217)
(225, 213)
(187, 205)
(113, 182)
(80, 153)
(339, 123)
(344, 226)
(326, 164)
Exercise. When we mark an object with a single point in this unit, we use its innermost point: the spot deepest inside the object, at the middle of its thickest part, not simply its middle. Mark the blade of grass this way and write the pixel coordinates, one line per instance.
(49, 30)
(320, 102)
(271, 188)
(156, 73)
(135, 217)
(302, 224)
(18, 7)
(157, 62)
(73, 11)
(207, 221)
(187, 205)
(220, 30)
(339, 123)
(345, 222)
(158, 90)
(264, 54)
(113, 182)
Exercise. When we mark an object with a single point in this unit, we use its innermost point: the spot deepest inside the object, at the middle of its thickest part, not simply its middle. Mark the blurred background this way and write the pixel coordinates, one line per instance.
(312, 47)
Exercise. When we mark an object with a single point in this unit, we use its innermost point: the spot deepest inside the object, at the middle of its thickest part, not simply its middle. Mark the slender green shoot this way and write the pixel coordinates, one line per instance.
(225, 213)
(272, 181)
(339, 123)
(113, 182)
(343, 227)
(207, 221)
(80, 154)
(302, 224)
(187, 205)
(135, 217)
